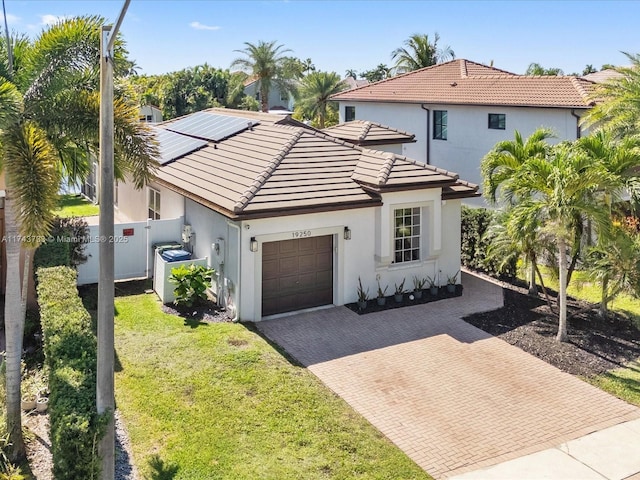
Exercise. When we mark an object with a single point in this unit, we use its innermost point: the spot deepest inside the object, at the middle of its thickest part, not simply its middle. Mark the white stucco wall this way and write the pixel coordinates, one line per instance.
(468, 135)
(134, 203)
(274, 96)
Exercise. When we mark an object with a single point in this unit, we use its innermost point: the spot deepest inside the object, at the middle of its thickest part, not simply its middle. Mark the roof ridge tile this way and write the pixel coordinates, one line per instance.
(385, 170)
(365, 130)
(261, 179)
(580, 88)
(463, 68)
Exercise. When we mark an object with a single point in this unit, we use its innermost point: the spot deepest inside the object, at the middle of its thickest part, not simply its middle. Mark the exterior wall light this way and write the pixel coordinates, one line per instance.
(253, 246)
(347, 233)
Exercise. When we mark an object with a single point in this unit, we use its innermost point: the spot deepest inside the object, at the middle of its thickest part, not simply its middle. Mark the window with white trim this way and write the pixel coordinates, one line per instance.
(407, 234)
(349, 114)
(154, 204)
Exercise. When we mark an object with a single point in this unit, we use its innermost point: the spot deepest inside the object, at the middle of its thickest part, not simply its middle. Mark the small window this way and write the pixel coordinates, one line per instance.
(258, 96)
(497, 121)
(440, 124)
(149, 118)
(154, 204)
(349, 114)
(407, 233)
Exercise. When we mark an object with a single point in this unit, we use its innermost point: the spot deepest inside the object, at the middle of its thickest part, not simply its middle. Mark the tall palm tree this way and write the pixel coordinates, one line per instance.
(500, 168)
(351, 73)
(314, 94)
(265, 61)
(420, 52)
(554, 192)
(618, 105)
(537, 69)
(49, 127)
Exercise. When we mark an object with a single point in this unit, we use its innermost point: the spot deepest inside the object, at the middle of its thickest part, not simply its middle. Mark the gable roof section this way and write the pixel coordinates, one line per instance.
(364, 133)
(463, 82)
(274, 170)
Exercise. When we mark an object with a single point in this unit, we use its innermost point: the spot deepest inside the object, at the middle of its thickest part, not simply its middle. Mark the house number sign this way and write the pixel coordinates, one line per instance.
(301, 233)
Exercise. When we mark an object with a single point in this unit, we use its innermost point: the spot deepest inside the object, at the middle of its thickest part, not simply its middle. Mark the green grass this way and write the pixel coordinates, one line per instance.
(622, 382)
(72, 205)
(216, 401)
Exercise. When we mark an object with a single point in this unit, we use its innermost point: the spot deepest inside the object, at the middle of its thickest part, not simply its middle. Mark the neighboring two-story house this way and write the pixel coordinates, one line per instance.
(460, 109)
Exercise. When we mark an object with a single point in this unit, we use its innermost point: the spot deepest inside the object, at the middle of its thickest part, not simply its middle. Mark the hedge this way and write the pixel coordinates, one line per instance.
(65, 245)
(70, 350)
(474, 243)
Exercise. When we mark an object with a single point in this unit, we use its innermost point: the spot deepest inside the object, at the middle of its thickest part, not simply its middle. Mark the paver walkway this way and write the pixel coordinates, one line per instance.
(451, 396)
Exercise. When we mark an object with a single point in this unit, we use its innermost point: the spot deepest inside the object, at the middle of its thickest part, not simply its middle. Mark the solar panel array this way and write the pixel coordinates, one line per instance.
(210, 126)
(173, 145)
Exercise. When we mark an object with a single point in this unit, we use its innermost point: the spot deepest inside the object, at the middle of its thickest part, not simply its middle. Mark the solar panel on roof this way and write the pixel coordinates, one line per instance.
(173, 145)
(210, 126)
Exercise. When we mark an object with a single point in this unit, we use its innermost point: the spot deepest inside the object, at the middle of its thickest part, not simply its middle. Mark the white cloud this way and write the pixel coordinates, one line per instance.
(51, 19)
(200, 26)
(11, 19)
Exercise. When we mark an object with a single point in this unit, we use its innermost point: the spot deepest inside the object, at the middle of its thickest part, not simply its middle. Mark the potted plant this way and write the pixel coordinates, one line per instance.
(42, 403)
(418, 285)
(363, 296)
(29, 393)
(398, 294)
(451, 282)
(381, 299)
(433, 288)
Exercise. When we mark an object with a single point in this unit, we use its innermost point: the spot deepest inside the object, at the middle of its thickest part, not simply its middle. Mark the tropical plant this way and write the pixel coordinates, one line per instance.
(265, 61)
(314, 93)
(351, 73)
(501, 168)
(363, 295)
(537, 69)
(452, 279)
(381, 292)
(399, 289)
(419, 283)
(419, 52)
(559, 195)
(49, 119)
(381, 72)
(191, 283)
(618, 101)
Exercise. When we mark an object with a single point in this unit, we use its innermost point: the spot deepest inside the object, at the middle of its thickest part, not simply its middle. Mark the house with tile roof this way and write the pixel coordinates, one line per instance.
(371, 135)
(460, 109)
(291, 217)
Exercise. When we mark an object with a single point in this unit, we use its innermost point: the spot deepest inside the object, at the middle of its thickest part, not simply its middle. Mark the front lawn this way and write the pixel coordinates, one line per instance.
(216, 401)
(73, 205)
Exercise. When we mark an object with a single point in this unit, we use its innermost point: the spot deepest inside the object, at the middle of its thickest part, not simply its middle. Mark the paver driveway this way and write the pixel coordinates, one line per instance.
(451, 396)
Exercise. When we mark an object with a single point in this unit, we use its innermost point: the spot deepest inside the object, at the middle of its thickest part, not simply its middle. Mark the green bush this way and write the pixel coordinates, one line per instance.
(191, 283)
(65, 245)
(475, 243)
(70, 353)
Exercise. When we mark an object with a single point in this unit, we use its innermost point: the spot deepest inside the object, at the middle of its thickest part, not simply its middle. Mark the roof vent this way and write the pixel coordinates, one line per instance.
(454, 84)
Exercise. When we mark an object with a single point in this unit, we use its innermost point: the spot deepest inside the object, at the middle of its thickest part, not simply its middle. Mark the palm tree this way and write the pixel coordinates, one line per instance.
(500, 169)
(308, 66)
(537, 69)
(554, 192)
(264, 61)
(314, 94)
(618, 105)
(420, 52)
(351, 73)
(49, 127)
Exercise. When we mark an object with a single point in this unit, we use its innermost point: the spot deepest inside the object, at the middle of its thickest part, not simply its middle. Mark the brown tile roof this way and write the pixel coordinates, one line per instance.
(365, 133)
(603, 76)
(274, 169)
(464, 82)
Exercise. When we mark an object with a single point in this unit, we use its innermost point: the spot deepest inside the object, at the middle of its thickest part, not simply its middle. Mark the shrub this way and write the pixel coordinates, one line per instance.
(191, 283)
(65, 246)
(475, 243)
(70, 353)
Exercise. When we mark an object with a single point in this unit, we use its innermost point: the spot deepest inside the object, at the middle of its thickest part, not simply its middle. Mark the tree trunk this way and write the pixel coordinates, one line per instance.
(562, 294)
(264, 98)
(533, 287)
(603, 310)
(14, 328)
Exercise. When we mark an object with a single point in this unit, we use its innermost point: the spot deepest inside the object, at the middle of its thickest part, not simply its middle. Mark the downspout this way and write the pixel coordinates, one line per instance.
(239, 243)
(428, 132)
(578, 129)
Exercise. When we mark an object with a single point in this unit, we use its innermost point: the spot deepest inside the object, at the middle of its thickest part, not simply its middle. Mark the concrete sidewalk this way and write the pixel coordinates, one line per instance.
(609, 454)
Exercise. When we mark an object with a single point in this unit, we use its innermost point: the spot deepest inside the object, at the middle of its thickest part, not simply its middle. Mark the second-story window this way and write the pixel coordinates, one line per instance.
(349, 114)
(497, 121)
(440, 124)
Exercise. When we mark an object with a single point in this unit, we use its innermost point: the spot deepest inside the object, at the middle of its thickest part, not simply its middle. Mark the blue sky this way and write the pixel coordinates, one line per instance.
(164, 35)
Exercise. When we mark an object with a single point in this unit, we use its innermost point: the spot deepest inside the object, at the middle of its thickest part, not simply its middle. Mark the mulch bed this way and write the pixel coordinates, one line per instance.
(595, 344)
(208, 312)
(390, 303)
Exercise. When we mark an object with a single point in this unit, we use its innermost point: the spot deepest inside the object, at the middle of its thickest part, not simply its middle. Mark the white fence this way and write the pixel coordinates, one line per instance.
(133, 243)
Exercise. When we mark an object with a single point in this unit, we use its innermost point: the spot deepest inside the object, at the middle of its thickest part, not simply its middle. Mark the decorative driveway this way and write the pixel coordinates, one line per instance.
(451, 396)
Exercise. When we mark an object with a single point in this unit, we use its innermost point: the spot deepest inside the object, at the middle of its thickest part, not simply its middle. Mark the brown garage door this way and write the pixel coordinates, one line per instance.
(297, 274)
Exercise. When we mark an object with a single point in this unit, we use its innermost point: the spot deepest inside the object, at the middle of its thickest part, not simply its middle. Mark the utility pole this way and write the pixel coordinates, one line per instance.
(105, 391)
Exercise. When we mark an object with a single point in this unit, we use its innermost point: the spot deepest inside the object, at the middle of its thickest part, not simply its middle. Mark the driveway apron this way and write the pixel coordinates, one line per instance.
(452, 397)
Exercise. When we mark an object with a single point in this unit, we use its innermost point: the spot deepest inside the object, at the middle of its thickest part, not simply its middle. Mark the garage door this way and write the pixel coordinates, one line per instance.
(297, 274)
